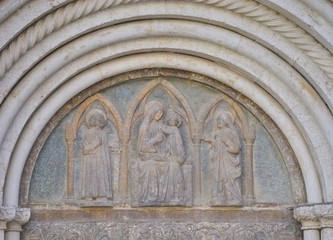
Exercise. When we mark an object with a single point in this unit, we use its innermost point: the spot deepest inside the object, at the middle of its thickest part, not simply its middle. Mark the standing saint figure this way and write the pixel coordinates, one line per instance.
(96, 162)
(151, 151)
(173, 182)
(226, 167)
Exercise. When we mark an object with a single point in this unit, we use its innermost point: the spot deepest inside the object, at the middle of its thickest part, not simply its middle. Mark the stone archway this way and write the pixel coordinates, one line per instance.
(276, 57)
(45, 188)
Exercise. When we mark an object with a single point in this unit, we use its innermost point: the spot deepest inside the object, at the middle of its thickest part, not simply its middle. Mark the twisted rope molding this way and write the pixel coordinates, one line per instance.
(248, 8)
(49, 24)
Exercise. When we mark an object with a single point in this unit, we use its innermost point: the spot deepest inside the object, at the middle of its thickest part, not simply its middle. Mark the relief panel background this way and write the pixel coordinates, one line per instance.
(270, 173)
(49, 175)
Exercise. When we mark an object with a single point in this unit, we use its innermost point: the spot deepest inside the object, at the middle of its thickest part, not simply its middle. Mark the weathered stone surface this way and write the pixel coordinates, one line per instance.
(7, 214)
(162, 230)
(162, 154)
(173, 145)
(273, 54)
(143, 172)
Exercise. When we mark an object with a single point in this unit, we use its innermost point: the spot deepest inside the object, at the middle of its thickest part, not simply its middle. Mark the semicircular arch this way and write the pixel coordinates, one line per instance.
(281, 118)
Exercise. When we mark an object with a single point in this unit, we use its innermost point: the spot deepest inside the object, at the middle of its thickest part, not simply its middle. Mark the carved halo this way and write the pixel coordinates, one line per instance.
(94, 112)
(154, 105)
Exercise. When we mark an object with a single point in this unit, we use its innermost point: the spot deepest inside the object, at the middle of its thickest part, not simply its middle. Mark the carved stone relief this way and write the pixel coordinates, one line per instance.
(162, 230)
(315, 216)
(161, 138)
(160, 145)
(225, 160)
(168, 144)
(7, 214)
(95, 181)
(161, 150)
(162, 174)
(92, 154)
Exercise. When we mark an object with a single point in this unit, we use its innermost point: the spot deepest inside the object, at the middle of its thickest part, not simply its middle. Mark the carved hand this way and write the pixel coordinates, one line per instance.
(208, 140)
(231, 147)
(179, 160)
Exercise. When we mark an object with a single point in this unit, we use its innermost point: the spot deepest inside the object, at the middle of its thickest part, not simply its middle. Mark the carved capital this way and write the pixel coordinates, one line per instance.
(250, 135)
(325, 215)
(70, 141)
(315, 216)
(6, 214)
(249, 141)
(307, 216)
(22, 216)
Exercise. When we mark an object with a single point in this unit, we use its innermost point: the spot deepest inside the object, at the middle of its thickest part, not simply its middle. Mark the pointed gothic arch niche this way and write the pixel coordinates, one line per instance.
(195, 98)
(157, 90)
(96, 101)
(208, 114)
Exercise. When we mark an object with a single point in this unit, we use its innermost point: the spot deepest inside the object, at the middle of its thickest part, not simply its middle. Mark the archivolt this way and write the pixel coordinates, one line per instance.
(97, 73)
(65, 71)
(248, 8)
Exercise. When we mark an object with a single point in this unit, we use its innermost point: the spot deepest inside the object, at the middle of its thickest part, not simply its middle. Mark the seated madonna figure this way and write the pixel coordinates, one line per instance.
(151, 151)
